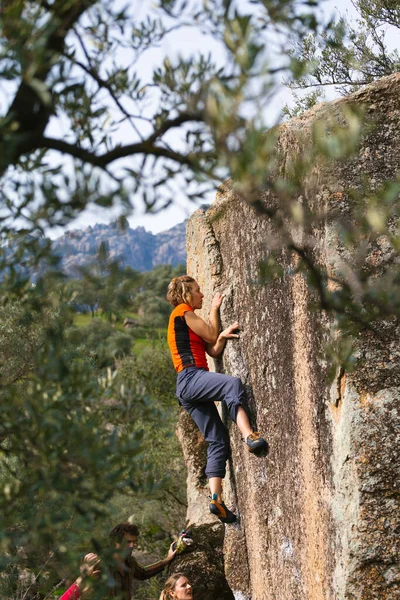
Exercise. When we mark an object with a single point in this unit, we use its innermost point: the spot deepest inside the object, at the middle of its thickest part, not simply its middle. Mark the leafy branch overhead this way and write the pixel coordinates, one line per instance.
(88, 121)
(351, 53)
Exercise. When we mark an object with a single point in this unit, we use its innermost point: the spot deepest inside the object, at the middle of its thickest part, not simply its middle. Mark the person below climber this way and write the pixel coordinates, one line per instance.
(125, 568)
(89, 568)
(189, 338)
(177, 587)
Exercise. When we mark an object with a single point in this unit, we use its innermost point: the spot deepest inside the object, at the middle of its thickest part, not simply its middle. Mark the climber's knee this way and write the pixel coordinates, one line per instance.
(236, 397)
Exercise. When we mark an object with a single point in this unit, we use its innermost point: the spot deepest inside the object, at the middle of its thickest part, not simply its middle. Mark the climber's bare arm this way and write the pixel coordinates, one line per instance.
(229, 333)
(208, 332)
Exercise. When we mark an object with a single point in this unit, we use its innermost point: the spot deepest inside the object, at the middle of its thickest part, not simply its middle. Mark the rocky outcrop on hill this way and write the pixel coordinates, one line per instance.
(137, 248)
(319, 517)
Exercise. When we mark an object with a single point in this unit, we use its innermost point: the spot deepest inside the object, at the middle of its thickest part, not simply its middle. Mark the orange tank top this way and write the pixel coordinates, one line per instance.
(187, 348)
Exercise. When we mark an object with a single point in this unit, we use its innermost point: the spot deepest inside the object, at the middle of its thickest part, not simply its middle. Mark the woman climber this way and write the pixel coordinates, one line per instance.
(189, 338)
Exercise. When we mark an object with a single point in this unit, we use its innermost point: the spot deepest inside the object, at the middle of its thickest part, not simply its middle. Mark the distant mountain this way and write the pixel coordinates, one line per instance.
(137, 248)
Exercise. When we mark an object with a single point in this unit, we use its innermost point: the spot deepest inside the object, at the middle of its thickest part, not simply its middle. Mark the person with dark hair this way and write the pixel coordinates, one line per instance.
(118, 533)
(124, 537)
(125, 567)
(197, 389)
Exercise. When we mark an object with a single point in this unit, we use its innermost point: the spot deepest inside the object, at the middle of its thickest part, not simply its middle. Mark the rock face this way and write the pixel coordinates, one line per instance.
(203, 564)
(319, 517)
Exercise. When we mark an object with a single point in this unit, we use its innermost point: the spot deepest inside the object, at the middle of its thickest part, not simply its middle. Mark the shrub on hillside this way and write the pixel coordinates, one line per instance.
(102, 341)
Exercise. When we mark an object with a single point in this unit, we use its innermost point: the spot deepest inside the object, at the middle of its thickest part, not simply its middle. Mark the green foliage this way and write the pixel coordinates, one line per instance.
(107, 290)
(22, 332)
(157, 280)
(100, 341)
(76, 75)
(86, 123)
(159, 440)
(347, 54)
(154, 311)
(150, 302)
(161, 514)
(77, 443)
(303, 103)
(62, 450)
(104, 286)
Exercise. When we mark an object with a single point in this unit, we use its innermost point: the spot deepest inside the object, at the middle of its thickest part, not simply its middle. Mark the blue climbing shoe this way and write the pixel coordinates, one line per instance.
(256, 444)
(219, 510)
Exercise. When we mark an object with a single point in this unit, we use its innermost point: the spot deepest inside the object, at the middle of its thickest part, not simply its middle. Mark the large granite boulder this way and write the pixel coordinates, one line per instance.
(319, 517)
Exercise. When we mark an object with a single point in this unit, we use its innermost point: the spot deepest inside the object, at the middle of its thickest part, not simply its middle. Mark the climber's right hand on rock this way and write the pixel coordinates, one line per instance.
(231, 332)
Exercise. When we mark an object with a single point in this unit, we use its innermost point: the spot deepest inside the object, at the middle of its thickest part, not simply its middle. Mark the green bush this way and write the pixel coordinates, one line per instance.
(101, 340)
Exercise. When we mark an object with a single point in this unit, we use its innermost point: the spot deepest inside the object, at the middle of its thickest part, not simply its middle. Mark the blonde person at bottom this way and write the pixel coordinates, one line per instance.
(177, 587)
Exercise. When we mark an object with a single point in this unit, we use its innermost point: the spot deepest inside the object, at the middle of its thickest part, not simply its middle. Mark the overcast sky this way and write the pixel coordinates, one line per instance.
(188, 42)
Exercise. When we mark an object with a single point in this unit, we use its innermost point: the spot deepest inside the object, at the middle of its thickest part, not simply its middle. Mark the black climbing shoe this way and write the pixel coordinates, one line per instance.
(256, 444)
(219, 510)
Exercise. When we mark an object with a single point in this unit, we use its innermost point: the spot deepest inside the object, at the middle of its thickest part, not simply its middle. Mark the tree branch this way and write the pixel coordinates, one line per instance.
(146, 147)
(327, 83)
(183, 117)
(103, 160)
(30, 111)
(90, 70)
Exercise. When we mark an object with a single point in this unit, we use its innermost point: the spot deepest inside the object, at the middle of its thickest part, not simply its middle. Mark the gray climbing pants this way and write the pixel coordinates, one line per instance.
(197, 390)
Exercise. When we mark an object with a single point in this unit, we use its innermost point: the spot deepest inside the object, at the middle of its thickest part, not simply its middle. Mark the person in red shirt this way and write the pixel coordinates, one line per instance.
(189, 339)
(88, 569)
